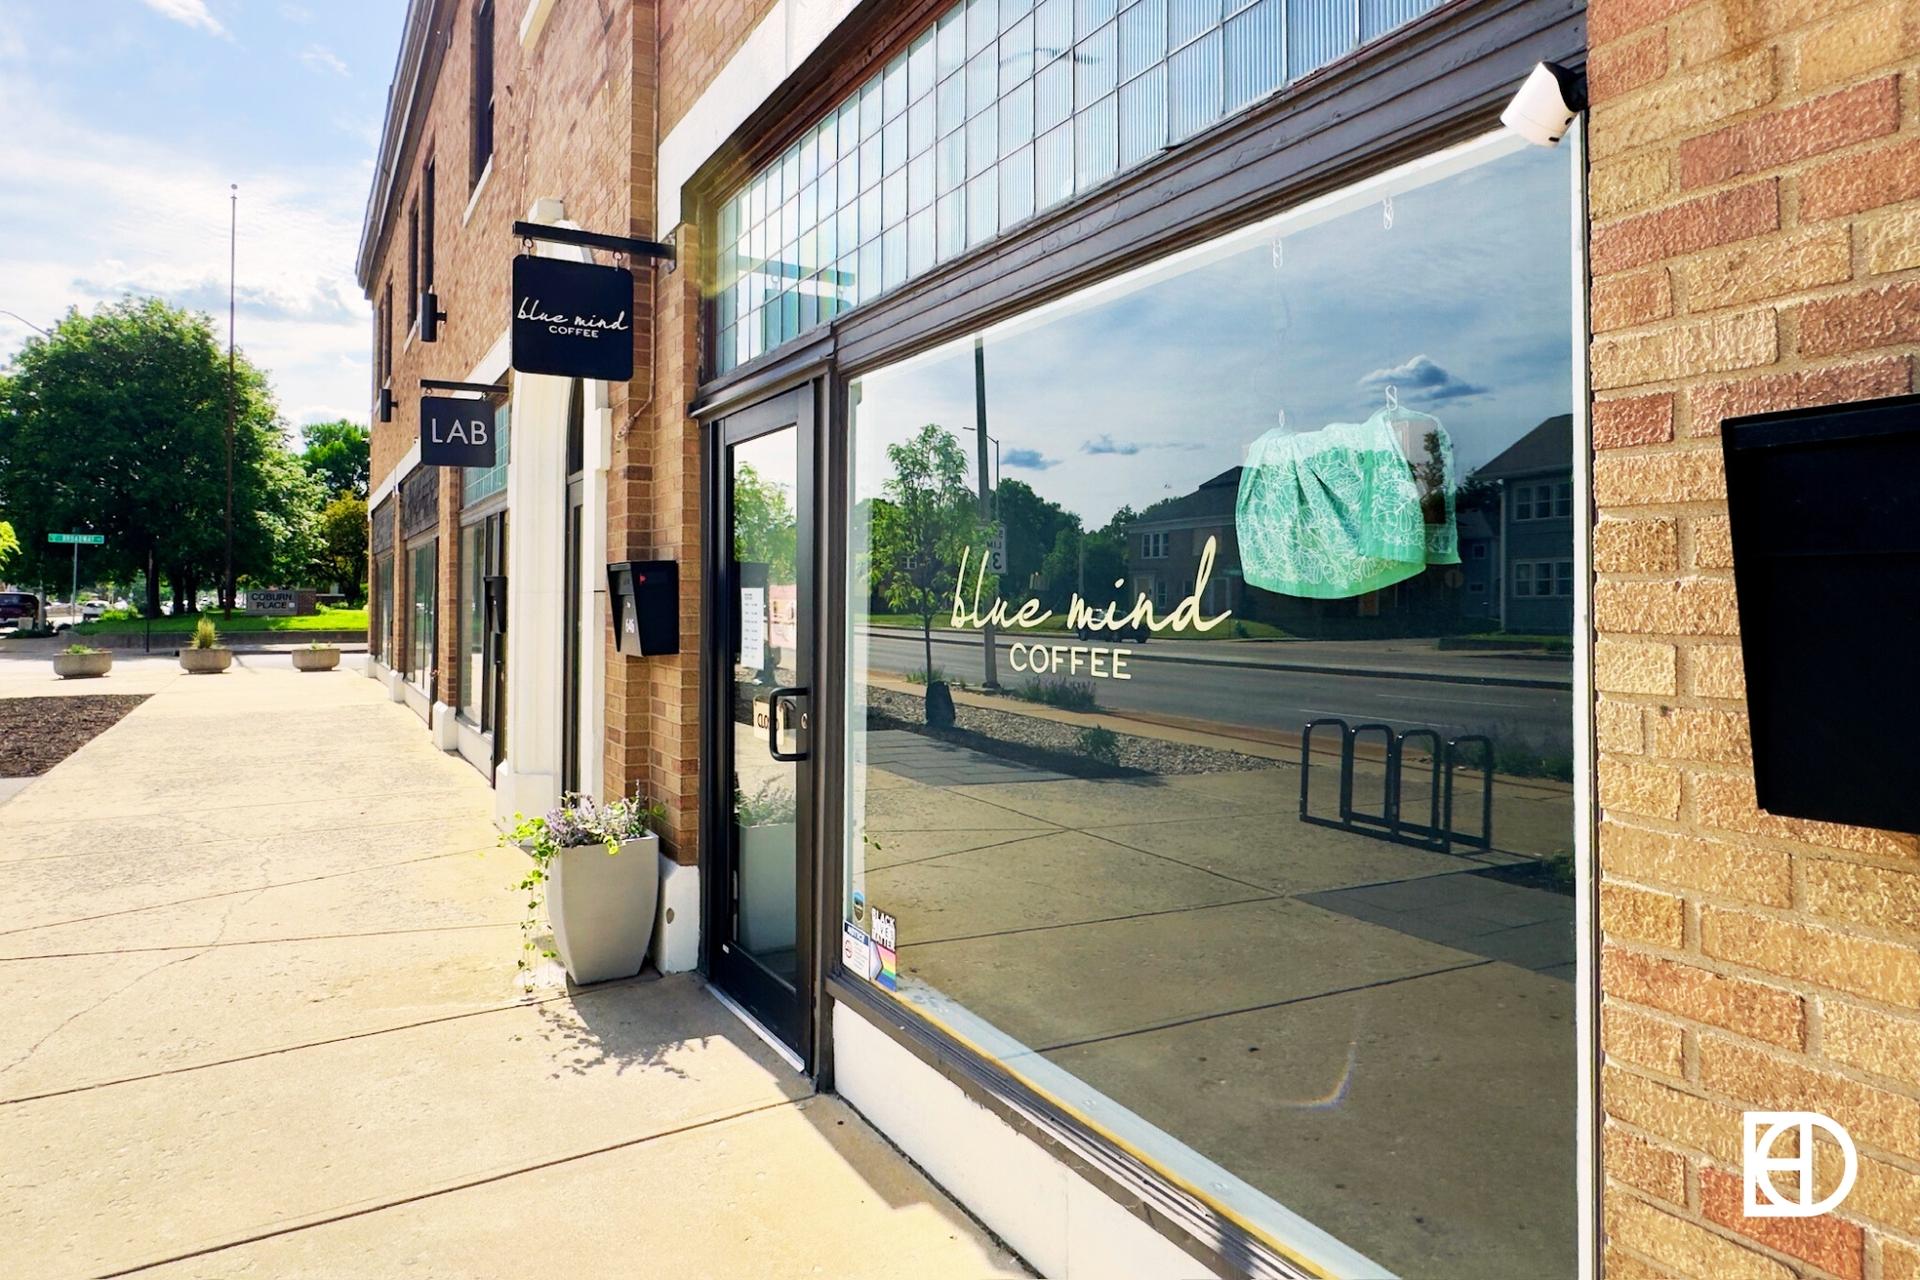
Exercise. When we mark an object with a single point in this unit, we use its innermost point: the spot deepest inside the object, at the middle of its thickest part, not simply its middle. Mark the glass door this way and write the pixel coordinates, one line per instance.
(760, 752)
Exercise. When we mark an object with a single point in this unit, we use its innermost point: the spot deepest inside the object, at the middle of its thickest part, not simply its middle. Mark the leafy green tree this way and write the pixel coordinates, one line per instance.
(765, 528)
(1033, 526)
(343, 545)
(116, 424)
(929, 518)
(338, 454)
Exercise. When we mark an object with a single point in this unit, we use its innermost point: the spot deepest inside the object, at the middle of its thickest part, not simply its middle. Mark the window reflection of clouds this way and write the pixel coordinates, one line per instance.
(1471, 276)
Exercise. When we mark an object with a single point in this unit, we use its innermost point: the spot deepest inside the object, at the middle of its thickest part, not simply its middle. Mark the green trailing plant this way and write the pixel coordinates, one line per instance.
(80, 649)
(577, 821)
(771, 805)
(204, 634)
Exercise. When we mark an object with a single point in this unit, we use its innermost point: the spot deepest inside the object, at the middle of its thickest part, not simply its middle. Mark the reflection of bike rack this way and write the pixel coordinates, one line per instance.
(1391, 822)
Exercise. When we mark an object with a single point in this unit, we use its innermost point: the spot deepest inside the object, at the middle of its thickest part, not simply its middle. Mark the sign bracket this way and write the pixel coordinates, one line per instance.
(659, 250)
(478, 388)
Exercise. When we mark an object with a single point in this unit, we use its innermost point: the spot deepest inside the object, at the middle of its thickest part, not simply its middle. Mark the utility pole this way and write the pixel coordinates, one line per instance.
(233, 231)
(992, 681)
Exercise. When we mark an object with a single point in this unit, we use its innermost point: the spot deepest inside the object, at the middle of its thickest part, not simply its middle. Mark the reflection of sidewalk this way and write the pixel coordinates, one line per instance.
(1362, 659)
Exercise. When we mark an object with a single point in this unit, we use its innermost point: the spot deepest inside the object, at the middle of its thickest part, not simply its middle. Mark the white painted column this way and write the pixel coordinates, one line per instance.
(528, 779)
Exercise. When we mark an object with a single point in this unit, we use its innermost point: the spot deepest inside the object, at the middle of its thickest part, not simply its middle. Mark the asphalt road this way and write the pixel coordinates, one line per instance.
(1277, 700)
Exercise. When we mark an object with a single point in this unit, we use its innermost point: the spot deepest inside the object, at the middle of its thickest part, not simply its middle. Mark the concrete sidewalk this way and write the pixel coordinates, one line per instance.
(260, 1017)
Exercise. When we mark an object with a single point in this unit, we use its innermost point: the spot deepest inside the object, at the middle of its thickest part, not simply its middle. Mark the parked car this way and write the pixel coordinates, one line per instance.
(90, 609)
(19, 607)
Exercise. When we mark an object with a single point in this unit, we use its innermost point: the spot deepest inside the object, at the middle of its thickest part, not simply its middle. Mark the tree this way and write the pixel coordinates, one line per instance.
(343, 545)
(338, 454)
(117, 424)
(929, 518)
(765, 529)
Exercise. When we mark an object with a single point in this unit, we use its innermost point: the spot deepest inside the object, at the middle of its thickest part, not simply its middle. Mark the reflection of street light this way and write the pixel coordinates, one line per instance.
(23, 320)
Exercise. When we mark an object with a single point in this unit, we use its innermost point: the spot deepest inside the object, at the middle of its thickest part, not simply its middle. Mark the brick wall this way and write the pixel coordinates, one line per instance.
(1755, 202)
(564, 126)
(697, 37)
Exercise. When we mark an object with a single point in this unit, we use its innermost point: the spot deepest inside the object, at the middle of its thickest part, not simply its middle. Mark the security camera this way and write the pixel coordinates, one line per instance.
(1544, 108)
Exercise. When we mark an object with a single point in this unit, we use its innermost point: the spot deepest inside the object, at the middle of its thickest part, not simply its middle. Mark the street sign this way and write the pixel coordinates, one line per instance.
(79, 539)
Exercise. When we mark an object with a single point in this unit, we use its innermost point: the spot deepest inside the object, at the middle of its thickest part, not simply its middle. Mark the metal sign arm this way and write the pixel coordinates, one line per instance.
(661, 250)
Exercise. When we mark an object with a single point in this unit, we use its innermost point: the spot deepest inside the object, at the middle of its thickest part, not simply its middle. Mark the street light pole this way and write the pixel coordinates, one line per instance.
(233, 229)
(992, 682)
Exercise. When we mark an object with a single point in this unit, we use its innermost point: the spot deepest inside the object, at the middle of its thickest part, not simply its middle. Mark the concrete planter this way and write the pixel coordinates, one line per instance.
(767, 917)
(205, 662)
(601, 907)
(81, 666)
(322, 658)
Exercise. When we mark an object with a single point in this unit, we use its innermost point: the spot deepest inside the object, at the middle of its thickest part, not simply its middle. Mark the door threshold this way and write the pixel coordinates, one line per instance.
(754, 1025)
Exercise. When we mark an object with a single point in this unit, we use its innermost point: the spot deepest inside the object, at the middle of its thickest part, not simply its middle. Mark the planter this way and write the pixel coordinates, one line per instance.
(601, 907)
(205, 662)
(81, 666)
(321, 658)
(767, 918)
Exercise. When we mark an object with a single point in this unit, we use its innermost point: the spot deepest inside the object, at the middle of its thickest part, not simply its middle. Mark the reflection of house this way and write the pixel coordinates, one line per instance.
(1534, 544)
(1163, 557)
(1479, 561)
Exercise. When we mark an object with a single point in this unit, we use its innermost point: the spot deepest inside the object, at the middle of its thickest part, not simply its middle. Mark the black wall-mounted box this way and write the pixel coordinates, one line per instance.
(645, 600)
(1824, 510)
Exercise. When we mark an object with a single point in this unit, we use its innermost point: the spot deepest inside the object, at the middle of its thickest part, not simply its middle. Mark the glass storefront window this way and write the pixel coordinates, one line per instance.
(998, 112)
(473, 598)
(382, 605)
(423, 577)
(1326, 984)
(477, 483)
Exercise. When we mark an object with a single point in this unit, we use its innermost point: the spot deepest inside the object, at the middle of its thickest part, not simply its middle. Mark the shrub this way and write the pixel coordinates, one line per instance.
(1068, 695)
(1100, 744)
(923, 676)
(204, 635)
(77, 649)
(771, 805)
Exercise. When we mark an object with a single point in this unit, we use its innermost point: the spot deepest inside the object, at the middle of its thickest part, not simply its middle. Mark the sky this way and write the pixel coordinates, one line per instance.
(1461, 303)
(122, 124)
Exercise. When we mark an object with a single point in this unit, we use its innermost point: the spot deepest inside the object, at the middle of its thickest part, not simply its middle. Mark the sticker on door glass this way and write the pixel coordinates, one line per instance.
(856, 951)
(886, 940)
(753, 627)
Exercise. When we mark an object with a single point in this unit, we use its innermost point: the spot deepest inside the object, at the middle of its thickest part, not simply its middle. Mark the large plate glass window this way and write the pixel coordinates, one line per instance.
(423, 576)
(1210, 738)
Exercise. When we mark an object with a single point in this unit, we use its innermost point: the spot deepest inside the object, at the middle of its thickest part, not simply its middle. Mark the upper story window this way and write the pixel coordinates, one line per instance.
(426, 225)
(1153, 546)
(1002, 110)
(384, 339)
(413, 263)
(1543, 501)
(482, 90)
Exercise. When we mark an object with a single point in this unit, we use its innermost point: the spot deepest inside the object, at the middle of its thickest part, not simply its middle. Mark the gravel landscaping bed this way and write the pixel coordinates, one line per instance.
(38, 733)
(1050, 744)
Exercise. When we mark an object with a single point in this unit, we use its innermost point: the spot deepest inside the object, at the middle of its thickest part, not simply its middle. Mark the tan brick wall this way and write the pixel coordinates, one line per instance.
(1755, 196)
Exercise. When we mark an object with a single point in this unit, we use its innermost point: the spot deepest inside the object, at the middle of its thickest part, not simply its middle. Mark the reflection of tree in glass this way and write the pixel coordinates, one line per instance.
(765, 529)
(1431, 477)
(929, 516)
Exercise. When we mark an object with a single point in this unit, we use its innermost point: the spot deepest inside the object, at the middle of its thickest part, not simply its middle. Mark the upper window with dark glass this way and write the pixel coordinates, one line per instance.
(482, 90)
(1001, 110)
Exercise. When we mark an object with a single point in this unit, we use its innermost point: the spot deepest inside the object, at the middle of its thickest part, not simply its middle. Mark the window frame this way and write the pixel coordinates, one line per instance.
(481, 108)
(1440, 80)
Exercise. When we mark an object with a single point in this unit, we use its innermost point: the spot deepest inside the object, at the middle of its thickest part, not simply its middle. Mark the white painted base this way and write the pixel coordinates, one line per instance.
(445, 726)
(416, 700)
(1061, 1224)
(396, 685)
(476, 748)
(676, 933)
(522, 793)
(376, 669)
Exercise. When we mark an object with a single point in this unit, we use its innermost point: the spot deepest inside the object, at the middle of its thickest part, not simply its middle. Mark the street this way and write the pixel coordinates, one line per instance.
(1276, 699)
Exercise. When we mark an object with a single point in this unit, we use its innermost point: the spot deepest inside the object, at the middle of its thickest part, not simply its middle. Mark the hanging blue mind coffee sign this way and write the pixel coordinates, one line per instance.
(572, 319)
(456, 433)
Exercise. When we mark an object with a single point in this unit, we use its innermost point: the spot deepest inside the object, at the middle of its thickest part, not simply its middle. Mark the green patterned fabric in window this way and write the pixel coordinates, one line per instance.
(1341, 511)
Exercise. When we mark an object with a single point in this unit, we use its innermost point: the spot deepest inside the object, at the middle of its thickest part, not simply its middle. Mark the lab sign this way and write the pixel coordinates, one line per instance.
(572, 319)
(456, 433)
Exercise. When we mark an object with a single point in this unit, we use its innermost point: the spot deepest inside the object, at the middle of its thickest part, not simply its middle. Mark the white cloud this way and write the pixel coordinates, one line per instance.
(93, 214)
(320, 58)
(190, 13)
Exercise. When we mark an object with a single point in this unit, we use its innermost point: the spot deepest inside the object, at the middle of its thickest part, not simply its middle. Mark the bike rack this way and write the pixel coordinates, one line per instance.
(1390, 823)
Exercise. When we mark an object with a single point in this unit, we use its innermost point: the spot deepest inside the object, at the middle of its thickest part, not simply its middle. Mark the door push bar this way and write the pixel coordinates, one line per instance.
(774, 700)
(1392, 821)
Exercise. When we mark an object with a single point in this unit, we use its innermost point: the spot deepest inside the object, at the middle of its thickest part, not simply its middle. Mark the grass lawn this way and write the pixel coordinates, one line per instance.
(181, 624)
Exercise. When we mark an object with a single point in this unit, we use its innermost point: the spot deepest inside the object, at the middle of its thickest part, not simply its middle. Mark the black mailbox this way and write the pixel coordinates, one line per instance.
(644, 596)
(1824, 509)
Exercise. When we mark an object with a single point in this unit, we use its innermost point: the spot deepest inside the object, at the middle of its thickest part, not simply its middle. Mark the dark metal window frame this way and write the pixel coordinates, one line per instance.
(485, 14)
(1441, 79)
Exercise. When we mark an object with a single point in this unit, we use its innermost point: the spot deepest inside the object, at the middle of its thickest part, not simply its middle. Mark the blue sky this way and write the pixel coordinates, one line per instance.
(122, 122)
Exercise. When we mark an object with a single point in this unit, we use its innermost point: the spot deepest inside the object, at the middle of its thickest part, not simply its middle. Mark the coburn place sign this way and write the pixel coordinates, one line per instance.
(572, 319)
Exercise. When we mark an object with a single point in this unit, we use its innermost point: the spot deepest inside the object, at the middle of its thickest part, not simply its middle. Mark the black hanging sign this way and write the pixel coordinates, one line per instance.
(572, 319)
(455, 432)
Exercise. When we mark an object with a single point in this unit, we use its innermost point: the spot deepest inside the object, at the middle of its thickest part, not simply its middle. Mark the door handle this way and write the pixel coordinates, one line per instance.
(774, 700)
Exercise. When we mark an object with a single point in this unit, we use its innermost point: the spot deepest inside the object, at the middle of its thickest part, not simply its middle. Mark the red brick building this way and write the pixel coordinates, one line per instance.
(1480, 973)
